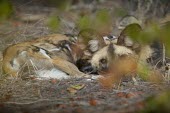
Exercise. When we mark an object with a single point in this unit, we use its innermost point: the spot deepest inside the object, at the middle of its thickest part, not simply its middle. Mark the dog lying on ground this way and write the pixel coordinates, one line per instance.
(133, 52)
(62, 54)
(55, 54)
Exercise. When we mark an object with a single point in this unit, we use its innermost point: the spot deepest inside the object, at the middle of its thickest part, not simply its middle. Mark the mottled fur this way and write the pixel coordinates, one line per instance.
(55, 51)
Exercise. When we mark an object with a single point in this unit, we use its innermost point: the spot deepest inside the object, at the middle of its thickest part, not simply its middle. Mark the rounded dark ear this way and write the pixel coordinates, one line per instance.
(86, 35)
(121, 38)
(131, 30)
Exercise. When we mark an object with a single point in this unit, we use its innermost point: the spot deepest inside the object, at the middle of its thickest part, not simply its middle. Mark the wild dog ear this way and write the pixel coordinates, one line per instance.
(131, 30)
(127, 20)
(86, 35)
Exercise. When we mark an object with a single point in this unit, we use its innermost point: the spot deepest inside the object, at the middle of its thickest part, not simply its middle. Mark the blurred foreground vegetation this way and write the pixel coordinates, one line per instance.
(5, 9)
(157, 104)
(101, 22)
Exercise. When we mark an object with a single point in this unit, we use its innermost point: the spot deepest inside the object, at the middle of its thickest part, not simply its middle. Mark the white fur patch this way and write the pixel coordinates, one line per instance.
(128, 42)
(23, 53)
(108, 40)
(55, 49)
(122, 50)
(93, 45)
(60, 75)
(145, 53)
(44, 53)
(53, 73)
(15, 64)
(68, 46)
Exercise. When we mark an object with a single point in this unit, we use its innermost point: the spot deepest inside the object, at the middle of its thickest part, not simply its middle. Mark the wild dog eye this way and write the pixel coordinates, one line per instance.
(166, 68)
(103, 61)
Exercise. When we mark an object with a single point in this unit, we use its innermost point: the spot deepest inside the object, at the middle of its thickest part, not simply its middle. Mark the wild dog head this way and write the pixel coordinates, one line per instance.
(94, 44)
(102, 59)
(147, 53)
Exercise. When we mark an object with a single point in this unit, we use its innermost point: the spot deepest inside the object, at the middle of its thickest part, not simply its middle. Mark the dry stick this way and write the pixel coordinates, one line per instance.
(163, 55)
(164, 64)
(168, 76)
(163, 59)
(119, 84)
(22, 69)
(29, 70)
(34, 66)
(157, 64)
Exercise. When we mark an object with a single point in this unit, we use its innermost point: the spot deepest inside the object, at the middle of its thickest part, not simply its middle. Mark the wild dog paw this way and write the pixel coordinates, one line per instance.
(94, 77)
(86, 76)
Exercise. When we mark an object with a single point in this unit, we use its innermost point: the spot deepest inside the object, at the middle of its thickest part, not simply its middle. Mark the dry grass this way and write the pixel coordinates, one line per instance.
(46, 96)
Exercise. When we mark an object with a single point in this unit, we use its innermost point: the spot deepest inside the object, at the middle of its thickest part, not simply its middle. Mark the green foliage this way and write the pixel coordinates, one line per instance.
(165, 36)
(87, 34)
(120, 12)
(149, 33)
(146, 35)
(133, 31)
(158, 104)
(102, 22)
(84, 22)
(5, 9)
(143, 71)
(61, 4)
(93, 27)
(102, 17)
(54, 23)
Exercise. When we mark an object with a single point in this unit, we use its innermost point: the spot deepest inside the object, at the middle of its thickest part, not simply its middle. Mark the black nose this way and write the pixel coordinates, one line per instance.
(85, 66)
(89, 69)
(86, 69)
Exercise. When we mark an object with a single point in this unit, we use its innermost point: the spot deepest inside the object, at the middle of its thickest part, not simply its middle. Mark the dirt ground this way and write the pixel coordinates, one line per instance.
(53, 96)
(49, 96)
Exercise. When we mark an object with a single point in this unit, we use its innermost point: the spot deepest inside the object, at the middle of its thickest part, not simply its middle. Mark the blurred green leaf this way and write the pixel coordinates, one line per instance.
(133, 31)
(103, 17)
(54, 23)
(120, 12)
(87, 34)
(5, 9)
(158, 104)
(103, 22)
(84, 22)
(61, 4)
(150, 33)
(143, 70)
(165, 36)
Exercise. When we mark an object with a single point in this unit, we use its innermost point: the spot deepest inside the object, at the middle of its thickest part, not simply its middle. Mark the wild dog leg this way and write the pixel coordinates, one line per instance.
(7, 69)
(68, 67)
